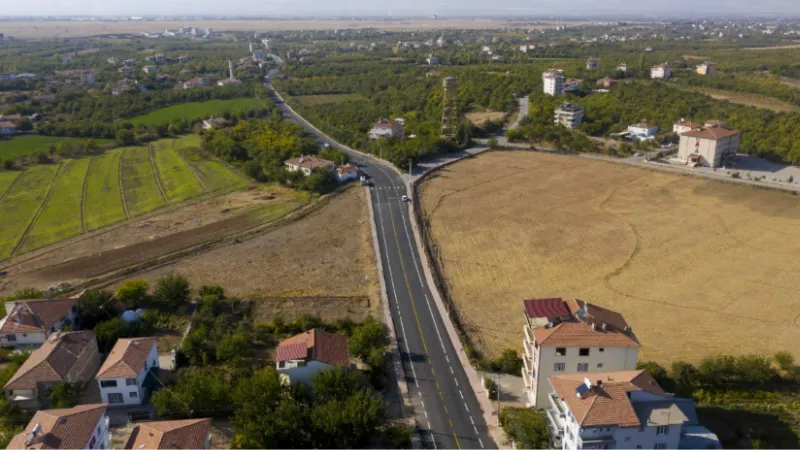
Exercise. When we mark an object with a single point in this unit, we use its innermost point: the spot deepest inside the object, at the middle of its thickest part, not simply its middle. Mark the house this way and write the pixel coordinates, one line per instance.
(572, 336)
(87, 77)
(607, 82)
(711, 146)
(301, 357)
(10, 117)
(7, 76)
(683, 126)
(308, 164)
(386, 128)
(229, 82)
(553, 80)
(171, 434)
(259, 55)
(28, 323)
(149, 69)
(622, 67)
(432, 60)
(661, 71)
(592, 64)
(642, 131)
(569, 115)
(129, 372)
(6, 129)
(212, 123)
(706, 68)
(625, 409)
(70, 357)
(126, 71)
(195, 83)
(346, 173)
(573, 84)
(83, 426)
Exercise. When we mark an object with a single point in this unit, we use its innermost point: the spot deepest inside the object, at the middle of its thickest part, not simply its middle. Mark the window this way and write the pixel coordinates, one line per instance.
(115, 398)
(627, 438)
(663, 429)
(134, 394)
(561, 351)
(638, 446)
(11, 338)
(130, 381)
(601, 349)
(583, 352)
(24, 335)
(599, 365)
(660, 447)
(533, 373)
(282, 364)
(583, 367)
(145, 365)
(108, 383)
(559, 367)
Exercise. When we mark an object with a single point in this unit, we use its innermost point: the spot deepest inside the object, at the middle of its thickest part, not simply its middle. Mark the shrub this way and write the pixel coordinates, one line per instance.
(527, 427)
(491, 387)
(509, 362)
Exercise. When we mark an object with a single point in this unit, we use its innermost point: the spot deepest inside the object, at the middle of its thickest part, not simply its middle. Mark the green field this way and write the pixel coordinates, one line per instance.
(195, 110)
(139, 181)
(312, 100)
(103, 205)
(177, 178)
(215, 176)
(21, 203)
(61, 216)
(25, 145)
(6, 178)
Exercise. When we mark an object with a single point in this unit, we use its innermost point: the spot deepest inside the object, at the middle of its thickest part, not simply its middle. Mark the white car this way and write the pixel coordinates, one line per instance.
(404, 198)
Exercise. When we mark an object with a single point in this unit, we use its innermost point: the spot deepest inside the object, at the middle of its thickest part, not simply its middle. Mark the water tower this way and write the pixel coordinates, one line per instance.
(449, 113)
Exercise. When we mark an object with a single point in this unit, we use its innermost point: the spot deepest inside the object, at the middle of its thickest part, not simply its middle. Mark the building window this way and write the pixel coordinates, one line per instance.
(627, 438)
(561, 351)
(24, 335)
(583, 352)
(115, 398)
(559, 367)
(108, 383)
(599, 365)
(134, 394)
(282, 364)
(601, 349)
(663, 429)
(533, 373)
(11, 338)
(130, 381)
(638, 446)
(583, 367)
(660, 447)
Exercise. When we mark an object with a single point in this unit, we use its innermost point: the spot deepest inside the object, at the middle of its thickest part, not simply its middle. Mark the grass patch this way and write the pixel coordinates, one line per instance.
(213, 173)
(103, 205)
(25, 145)
(20, 205)
(61, 216)
(311, 100)
(6, 178)
(176, 176)
(195, 109)
(139, 182)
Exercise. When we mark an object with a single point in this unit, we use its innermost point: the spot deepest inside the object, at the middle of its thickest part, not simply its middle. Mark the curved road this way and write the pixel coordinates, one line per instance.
(446, 408)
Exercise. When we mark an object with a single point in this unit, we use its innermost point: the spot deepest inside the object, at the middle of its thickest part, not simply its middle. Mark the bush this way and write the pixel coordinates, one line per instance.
(785, 362)
(492, 143)
(527, 427)
(65, 395)
(172, 292)
(509, 362)
(491, 387)
(133, 293)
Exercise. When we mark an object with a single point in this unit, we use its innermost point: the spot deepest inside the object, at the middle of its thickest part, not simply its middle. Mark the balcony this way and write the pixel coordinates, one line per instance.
(528, 334)
(555, 403)
(528, 350)
(607, 442)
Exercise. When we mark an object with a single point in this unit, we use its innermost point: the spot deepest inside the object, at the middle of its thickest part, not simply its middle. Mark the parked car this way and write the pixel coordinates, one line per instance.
(404, 198)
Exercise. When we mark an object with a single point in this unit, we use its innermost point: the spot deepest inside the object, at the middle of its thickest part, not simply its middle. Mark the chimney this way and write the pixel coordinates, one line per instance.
(593, 327)
(603, 326)
(599, 384)
(628, 329)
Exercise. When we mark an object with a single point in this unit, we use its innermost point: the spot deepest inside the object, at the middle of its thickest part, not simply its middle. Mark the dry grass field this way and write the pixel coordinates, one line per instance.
(477, 118)
(696, 266)
(742, 98)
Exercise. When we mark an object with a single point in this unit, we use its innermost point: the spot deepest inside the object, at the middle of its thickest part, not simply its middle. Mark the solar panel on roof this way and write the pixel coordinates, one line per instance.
(582, 389)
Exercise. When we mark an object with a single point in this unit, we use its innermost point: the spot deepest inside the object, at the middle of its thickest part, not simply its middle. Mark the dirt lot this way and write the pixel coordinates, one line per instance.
(321, 264)
(87, 28)
(477, 118)
(696, 266)
(93, 254)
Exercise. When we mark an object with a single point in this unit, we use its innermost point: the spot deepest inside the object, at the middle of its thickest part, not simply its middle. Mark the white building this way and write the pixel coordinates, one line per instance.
(214, 122)
(661, 71)
(706, 68)
(710, 146)
(149, 69)
(572, 336)
(259, 55)
(642, 131)
(28, 323)
(683, 125)
(301, 357)
(622, 67)
(386, 129)
(172, 434)
(308, 164)
(553, 80)
(569, 115)
(346, 173)
(83, 426)
(130, 371)
(624, 410)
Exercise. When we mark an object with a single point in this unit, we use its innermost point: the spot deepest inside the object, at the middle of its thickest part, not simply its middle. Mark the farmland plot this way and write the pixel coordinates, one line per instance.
(139, 182)
(177, 178)
(103, 203)
(21, 204)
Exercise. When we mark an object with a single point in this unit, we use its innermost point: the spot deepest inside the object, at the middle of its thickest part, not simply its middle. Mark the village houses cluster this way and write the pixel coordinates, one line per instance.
(118, 385)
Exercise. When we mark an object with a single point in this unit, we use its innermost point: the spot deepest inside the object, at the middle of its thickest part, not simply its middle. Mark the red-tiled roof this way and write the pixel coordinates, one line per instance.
(6, 124)
(31, 316)
(170, 434)
(713, 133)
(309, 162)
(385, 124)
(546, 307)
(127, 358)
(52, 361)
(61, 428)
(319, 346)
(585, 328)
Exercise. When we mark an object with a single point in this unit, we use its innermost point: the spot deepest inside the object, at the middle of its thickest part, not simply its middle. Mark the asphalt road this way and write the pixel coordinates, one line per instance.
(445, 405)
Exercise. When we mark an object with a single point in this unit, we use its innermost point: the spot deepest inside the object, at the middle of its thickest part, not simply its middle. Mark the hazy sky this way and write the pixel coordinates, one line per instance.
(687, 8)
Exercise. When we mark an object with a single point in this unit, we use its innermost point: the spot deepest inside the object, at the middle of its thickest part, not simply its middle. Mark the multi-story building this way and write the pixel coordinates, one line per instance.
(642, 131)
(129, 372)
(710, 146)
(569, 115)
(83, 426)
(625, 410)
(553, 80)
(706, 68)
(28, 323)
(386, 128)
(572, 336)
(70, 357)
(683, 125)
(661, 71)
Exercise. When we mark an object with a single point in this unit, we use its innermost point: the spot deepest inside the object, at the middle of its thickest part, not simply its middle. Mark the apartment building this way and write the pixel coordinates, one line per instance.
(569, 115)
(713, 145)
(572, 336)
(553, 80)
(626, 409)
(661, 71)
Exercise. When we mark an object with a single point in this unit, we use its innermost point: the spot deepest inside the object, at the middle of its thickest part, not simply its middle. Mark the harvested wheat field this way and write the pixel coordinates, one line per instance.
(696, 266)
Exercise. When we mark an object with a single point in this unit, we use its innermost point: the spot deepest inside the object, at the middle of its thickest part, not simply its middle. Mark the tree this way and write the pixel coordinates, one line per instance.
(199, 392)
(525, 426)
(234, 346)
(24, 124)
(785, 362)
(40, 157)
(8, 164)
(370, 334)
(346, 423)
(172, 292)
(508, 362)
(492, 142)
(133, 293)
(94, 306)
(685, 375)
(109, 331)
(64, 395)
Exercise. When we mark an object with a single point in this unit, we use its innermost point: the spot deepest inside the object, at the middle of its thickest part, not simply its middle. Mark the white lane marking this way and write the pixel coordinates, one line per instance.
(425, 412)
(466, 407)
(471, 421)
(432, 439)
(447, 358)
(475, 428)
(451, 370)
(462, 397)
(456, 382)
(481, 442)
(423, 404)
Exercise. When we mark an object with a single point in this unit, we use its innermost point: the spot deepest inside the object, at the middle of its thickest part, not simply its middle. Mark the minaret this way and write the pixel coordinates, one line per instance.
(230, 68)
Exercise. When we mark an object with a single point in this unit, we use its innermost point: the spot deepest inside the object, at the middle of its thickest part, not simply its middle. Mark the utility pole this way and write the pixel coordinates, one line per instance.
(497, 377)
